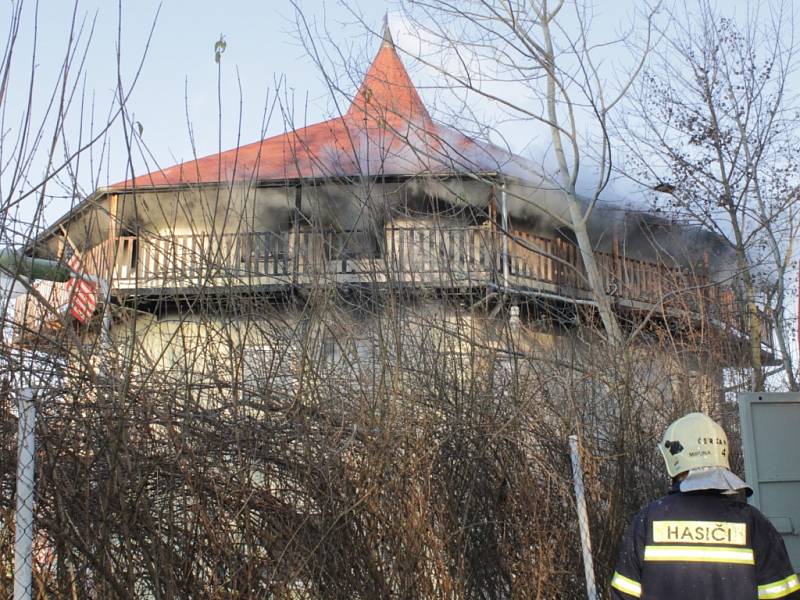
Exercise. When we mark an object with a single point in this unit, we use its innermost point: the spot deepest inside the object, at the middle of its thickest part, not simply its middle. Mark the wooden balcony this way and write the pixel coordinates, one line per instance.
(455, 258)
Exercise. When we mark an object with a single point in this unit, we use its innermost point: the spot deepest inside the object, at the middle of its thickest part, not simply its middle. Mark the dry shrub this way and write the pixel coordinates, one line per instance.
(433, 465)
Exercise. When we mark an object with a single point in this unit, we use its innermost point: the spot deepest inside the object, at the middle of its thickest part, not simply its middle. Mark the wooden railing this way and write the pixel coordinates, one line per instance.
(442, 255)
(187, 257)
(404, 253)
(546, 260)
(445, 257)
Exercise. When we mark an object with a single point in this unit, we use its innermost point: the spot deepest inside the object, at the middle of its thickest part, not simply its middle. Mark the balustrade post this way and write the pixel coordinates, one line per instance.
(107, 271)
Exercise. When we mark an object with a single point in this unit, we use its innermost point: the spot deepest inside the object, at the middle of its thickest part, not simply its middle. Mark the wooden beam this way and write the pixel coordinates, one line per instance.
(113, 236)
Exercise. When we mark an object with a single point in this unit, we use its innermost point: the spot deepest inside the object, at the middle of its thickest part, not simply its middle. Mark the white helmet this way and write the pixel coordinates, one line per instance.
(693, 442)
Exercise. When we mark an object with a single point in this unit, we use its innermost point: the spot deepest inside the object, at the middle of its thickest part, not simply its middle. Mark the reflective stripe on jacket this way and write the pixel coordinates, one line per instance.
(703, 545)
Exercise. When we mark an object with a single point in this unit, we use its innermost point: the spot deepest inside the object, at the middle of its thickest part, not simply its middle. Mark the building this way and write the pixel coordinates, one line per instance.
(379, 206)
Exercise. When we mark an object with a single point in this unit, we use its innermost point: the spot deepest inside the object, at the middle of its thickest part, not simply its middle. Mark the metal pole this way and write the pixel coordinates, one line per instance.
(23, 533)
(583, 517)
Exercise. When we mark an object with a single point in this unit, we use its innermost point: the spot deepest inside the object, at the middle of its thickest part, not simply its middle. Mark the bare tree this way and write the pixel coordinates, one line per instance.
(547, 53)
(714, 126)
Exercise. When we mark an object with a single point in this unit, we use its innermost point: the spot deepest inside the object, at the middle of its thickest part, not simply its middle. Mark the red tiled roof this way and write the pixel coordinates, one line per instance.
(387, 130)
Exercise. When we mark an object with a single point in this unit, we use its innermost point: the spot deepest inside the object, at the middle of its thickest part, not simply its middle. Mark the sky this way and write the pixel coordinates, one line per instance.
(175, 95)
(174, 105)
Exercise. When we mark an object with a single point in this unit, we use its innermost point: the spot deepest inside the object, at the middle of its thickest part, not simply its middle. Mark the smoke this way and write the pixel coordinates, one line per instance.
(364, 177)
(538, 207)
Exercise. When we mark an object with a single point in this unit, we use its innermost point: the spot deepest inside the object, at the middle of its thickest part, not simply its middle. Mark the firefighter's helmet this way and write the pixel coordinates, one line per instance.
(692, 442)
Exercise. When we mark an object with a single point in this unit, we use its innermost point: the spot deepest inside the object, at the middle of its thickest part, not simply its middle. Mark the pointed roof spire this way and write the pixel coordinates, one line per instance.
(387, 32)
(387, 95)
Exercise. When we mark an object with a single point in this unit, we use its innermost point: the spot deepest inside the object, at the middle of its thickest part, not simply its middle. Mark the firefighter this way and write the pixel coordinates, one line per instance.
(702, 541)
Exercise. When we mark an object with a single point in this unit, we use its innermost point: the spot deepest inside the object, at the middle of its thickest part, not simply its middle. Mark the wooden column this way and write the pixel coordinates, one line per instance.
(113, 237)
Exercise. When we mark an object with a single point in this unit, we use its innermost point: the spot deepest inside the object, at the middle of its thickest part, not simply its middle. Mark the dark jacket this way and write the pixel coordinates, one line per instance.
(703, 546)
